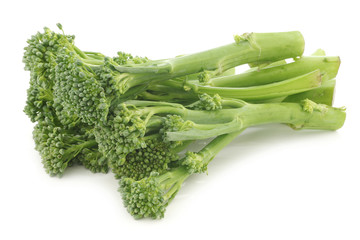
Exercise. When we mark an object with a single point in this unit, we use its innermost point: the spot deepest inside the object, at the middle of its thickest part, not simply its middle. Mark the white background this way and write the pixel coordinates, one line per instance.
(270, 183)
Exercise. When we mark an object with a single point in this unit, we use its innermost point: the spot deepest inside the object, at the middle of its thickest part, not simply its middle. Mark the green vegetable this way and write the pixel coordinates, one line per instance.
(87, 85)
(137, 117)
(61, 147)
(150, 196)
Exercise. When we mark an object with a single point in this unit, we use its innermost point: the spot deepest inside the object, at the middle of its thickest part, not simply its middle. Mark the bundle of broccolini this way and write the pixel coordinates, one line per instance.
(136, 116)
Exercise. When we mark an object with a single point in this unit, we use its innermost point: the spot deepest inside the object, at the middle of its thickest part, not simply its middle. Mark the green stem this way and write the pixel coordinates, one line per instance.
(171, 182)
(307, 115)
(253, 47)
(328, 66)
(74, 150)
(273, 90)
(261, 93)
(216, 145)
(323, 94)
(184, 97)
(92, 58)
(181, 147)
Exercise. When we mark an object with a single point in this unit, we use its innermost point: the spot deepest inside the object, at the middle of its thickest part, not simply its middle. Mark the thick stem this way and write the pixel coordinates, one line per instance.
(295, 114)
(327, 65)
(273, 90)
(323, 94)
(307, 115)
(205, 131)
(255, 47)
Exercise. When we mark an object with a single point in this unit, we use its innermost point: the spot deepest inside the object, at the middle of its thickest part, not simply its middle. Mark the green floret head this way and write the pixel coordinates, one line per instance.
(139, 164)
(52, 142)
(39, 58)
(194, 163)
(143, 198)
(60, 146)
(78, 90)
(114, 83)
(207, 102)
(39, 103)
(121, 134)
(42, 48)
(150, 196)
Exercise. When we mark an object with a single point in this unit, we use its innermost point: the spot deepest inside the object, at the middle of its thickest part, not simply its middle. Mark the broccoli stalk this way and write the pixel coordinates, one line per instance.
(276, 79)
(173, 90)
(322, 95)
(150, 196)
(327, 65)
(268, 91)
(89, 89)
(88, 84)
(135, 122)
(253, 47)
(198, 162)
(304, 115)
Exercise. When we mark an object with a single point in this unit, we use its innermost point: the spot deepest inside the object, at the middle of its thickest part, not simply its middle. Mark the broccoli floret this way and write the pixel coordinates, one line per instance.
(122, 133)
(150, 196)
(77, 89)
(39, 58)
(139, 164)
(136, 121)
(207, 102)
(81, 78)
(60, 147)
(84, 103)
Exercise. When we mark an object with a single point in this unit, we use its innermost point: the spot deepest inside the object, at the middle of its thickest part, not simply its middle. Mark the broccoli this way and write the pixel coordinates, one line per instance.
(157, 156)
(234, 119)
(149, 197)
(275, 81)
(131, 126)
(136, 121)
(136, 117)
(328, 66)
(88, 84)
(40, 61)
(61, 147)
(41, 58)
